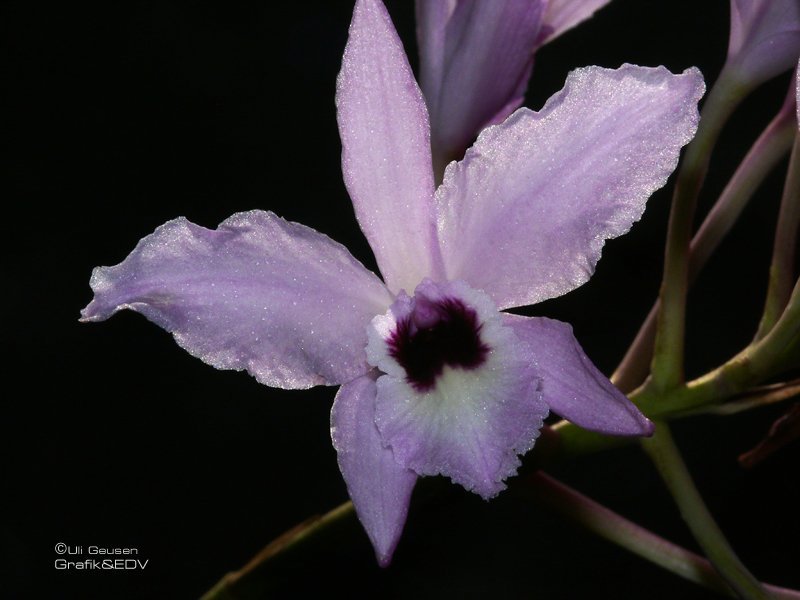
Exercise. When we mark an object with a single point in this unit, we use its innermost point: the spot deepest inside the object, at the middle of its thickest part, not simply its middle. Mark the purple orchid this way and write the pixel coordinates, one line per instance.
(476, 60)
(434, 378)
(765, 38)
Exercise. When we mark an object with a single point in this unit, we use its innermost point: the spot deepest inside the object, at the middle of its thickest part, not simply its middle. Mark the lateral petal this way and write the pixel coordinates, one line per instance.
(525, 215)
(571, 385)
(276, 298)
(386, 157)
(379, 487)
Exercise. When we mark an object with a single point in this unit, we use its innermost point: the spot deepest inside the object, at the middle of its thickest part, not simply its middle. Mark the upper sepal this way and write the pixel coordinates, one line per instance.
(386, 154)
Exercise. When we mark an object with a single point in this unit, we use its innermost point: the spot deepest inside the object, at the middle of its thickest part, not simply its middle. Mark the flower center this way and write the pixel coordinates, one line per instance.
(437, 333)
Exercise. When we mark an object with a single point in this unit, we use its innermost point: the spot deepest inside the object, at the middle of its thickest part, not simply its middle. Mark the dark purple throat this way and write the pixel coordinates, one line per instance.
(451, 336)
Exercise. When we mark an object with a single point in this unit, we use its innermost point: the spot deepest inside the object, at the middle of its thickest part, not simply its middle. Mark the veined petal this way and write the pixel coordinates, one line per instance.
(480, 63)
(482, 407)
(283, 301)
(571, 385)
(765, 38)
(386, 157)
(379, 487)
(563, 15)
(525, 215)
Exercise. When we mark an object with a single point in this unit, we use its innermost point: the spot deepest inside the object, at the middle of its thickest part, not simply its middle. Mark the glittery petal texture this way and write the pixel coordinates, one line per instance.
(797, 91)
(276, 298)
(386, 157)
(572, 386)
(480, 63)
(379, 487)
(765, 38)
(472, 425)
(563, 15)
(525, 215)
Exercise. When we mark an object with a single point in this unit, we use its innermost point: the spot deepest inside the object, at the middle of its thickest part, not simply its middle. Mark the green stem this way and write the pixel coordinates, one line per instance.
(640, 541)
(782, 432)
(771, 355)
(768, 357)
(667, 459)
(247, 582)
(781, 272)
(667, 367)
(755, 398)
(770, 147)
(244, 584)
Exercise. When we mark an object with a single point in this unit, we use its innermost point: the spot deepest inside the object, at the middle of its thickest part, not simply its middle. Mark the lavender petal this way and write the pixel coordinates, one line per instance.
(386, 157)
(525, 215)
(283, 301)
(571, 385)
(379, 487)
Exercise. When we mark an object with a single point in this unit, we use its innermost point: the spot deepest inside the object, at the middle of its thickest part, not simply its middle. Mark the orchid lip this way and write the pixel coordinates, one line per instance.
(437, 333)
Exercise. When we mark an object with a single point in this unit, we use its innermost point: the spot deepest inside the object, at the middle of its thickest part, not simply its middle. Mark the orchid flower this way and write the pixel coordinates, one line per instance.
(435, 380)
(764, 39)
(476, 59)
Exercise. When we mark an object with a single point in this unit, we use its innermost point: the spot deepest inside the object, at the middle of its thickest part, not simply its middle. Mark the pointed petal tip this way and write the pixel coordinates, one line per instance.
(88, 315)
(384, 557)
(95, 311)
(379, 487)
(639, 426)
(573, 387)
(366, 9)
(384, 546)
(99, 309)
(492, 489)
(698, 89)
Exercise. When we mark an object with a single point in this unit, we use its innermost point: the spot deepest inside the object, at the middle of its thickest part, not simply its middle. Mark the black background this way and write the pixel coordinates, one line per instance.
(123, 115)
